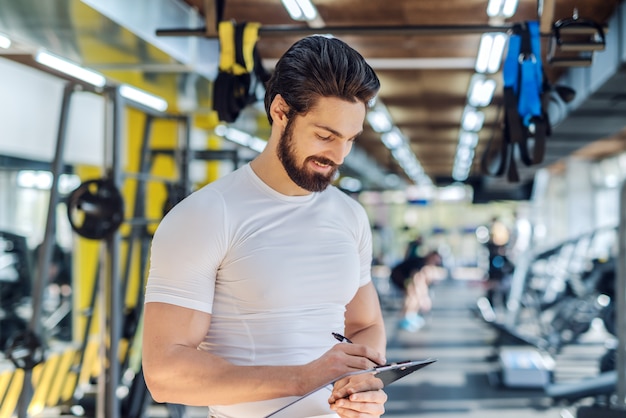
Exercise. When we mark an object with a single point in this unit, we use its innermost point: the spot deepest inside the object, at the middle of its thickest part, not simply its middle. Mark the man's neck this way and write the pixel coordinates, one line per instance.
(271, 171)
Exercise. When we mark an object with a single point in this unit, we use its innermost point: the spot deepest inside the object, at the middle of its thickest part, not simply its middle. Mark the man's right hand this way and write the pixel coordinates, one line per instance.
(341, 359)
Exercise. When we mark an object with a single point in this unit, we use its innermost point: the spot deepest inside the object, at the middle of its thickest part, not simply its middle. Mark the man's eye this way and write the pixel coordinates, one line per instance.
(325, 138)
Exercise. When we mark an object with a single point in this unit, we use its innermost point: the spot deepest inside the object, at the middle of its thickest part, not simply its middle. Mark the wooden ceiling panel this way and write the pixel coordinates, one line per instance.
(448, 12)
(401, 84)
(414, 46)
(598, 10)
(427, 115)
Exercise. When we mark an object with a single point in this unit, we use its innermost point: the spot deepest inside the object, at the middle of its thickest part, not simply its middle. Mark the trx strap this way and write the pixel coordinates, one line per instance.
(526, 122)
(495, 157)
(240, 69)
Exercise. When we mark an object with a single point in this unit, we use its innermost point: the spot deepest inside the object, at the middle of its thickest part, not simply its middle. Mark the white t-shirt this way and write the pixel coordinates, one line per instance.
(274, 271)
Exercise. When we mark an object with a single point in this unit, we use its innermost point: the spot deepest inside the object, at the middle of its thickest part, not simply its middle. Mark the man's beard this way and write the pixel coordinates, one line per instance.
(306, 179)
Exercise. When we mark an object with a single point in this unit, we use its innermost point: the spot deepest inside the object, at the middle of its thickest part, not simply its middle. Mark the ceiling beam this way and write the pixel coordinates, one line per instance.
(402, 30)
(546, 14)
(210, 18)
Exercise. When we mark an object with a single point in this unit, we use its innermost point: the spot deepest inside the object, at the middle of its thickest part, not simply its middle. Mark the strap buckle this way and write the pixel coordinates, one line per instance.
(526, 56)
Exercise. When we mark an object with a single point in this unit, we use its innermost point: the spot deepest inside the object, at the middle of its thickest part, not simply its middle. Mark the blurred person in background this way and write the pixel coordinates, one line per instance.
(500, 266)
(413, 276)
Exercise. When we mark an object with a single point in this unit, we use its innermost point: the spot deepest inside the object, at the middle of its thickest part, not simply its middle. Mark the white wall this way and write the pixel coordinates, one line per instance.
(30, 107)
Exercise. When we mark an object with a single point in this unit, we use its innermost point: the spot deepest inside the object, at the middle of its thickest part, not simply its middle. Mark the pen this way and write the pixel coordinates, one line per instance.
(341, 338)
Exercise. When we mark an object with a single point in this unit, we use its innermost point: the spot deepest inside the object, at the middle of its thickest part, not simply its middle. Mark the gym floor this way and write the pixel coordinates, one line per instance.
(463, 381)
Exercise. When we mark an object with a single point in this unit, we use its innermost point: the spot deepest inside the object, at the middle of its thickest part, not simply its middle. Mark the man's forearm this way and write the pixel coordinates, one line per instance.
(196, 378)
(373, 336)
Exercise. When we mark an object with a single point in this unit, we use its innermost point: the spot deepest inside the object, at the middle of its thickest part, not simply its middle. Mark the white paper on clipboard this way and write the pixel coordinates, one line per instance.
(315, 403)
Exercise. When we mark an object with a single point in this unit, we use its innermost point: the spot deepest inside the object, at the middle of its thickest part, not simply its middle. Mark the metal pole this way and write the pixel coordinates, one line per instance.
(137, 234)
(103, 377)
(185, 152)
(114, 285)
(45, 253)
(620, 302)
(46, 248)
(139, 210)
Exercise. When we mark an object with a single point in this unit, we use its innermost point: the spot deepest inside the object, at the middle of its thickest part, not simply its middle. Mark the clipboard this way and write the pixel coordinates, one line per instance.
(388, 373)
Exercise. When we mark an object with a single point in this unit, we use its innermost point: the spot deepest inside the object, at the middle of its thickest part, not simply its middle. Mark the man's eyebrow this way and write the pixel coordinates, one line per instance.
(335, 132)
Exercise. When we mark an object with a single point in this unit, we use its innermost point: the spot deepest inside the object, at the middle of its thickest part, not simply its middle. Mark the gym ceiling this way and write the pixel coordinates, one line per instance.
(424, 52)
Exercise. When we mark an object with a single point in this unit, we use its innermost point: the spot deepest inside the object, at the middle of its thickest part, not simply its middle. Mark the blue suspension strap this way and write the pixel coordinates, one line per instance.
(495, 161)
(513, 130)
(532, 97)
(525, 123)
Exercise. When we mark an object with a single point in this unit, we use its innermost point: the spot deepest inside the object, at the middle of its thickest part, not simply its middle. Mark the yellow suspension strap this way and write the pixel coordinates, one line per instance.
(239, 69)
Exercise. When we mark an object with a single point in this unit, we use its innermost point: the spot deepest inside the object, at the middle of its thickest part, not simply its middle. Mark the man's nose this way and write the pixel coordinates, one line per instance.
(339, 151)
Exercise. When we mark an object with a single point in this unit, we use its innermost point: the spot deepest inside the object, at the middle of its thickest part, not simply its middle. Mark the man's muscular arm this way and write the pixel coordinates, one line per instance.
(177, 372)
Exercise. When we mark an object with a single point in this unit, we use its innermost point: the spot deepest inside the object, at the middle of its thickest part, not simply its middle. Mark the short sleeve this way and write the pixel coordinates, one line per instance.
(186, 252)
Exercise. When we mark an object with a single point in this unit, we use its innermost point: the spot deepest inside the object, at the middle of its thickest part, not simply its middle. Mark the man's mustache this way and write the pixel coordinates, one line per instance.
(323, 160)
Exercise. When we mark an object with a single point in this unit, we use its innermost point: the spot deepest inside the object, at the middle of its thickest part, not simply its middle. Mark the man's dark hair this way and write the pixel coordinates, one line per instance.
(317, 66)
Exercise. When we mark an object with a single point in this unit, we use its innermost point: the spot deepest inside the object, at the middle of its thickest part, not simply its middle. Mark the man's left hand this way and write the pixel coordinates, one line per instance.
(358, 396)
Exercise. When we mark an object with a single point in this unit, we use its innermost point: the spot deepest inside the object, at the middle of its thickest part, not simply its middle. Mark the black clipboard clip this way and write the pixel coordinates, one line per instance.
(389, 373)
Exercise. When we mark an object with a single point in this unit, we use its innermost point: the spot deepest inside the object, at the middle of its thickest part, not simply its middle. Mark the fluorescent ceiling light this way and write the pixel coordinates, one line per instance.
(300, 9)
(481, 91)
(237, 136)
(141, 97)
(510, 6)
(472, 119)
(468, 139)
(293, 9)
(463, 164)
(490, 52)
(379, 119)
(379, 122)
(43, 180)
(404, 155)
(460, 175)
(220, 130)
(309, 11)
(452, 193)
(350, 184)
(392, 139)
(257, 144)
(240, 137)
(73, 70)
(503, 8)
(461, 171)
(30, 179)
(465, 154)
(464, 157)
(5, 42)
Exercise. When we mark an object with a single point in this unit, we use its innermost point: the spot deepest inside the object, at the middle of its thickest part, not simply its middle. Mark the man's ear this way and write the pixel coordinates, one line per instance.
(279, 110)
